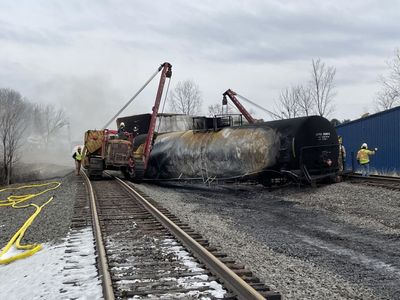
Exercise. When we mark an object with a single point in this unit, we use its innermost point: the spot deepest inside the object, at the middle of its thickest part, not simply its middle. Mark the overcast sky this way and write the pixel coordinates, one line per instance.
(90, 57)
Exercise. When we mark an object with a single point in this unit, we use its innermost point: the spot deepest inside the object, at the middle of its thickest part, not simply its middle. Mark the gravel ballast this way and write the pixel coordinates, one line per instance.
(52, 223)
(335, 242)
(65, 267)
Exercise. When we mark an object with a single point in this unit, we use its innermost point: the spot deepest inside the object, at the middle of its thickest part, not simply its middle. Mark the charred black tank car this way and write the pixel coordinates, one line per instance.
(303, 149)
(309, 147)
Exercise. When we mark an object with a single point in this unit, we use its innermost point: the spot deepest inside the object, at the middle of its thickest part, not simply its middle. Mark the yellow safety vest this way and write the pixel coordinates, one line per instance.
(78, 156)
(363, 155)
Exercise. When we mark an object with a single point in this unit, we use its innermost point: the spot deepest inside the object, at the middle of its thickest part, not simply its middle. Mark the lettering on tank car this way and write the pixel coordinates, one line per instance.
(322, 136)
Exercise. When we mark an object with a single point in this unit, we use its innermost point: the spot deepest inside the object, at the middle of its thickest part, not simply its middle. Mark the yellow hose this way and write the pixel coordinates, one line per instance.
(13, 201)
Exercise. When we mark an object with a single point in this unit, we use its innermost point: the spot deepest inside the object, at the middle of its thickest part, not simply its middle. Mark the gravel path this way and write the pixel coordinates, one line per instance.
(335, 242)
(65, 268)
(53, 222)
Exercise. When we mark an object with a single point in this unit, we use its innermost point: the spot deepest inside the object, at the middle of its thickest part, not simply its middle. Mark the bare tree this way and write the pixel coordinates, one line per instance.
(287, 105)
(12, 126)
(215, 109)
(218, 109)
(306, 105)
(314, 98)
(48, 121)
(386, 99)
(389, 96)
(321, 87)
(186, 98)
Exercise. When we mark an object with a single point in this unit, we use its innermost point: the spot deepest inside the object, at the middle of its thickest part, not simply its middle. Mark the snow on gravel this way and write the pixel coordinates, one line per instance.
(53, 273)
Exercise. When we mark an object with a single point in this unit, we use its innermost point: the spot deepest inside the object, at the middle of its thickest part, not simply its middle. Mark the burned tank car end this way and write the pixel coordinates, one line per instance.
(302, 149)
(309, 148)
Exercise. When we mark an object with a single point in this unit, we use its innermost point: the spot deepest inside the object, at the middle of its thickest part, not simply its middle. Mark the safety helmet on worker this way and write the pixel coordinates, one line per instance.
(364, 146)
(122, 124)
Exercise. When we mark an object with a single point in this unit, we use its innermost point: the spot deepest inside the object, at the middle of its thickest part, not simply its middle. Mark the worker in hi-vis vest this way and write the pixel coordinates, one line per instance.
(78, 159)
(363, 158)
(342, 154)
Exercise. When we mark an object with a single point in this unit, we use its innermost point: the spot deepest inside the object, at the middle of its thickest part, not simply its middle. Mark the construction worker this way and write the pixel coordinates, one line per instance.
(342, 154)
(78, 159)
(121, 130)
(363, 158)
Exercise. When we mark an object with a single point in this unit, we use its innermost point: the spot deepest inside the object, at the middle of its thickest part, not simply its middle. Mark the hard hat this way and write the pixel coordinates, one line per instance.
(122, 124)
(364, 145)
(79, 147)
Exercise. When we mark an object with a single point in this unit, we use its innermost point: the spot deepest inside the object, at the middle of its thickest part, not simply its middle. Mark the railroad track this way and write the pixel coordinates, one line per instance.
(146, 252)
(388, 182)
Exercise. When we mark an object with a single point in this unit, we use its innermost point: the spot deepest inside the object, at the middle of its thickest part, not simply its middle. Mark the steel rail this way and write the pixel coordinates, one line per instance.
(108, 291)
(375, 177)
(230, 279)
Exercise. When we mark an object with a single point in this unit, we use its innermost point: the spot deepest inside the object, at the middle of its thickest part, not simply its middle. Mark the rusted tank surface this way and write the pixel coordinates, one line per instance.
(229, 152)
(305, 146)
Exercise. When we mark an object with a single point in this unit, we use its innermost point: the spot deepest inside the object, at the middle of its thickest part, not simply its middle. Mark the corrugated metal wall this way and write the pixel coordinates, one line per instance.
(381, 130)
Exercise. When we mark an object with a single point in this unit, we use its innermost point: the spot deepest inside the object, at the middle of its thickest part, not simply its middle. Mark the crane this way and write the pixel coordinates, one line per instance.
(165, 73)
(104, 151)
(232, 95)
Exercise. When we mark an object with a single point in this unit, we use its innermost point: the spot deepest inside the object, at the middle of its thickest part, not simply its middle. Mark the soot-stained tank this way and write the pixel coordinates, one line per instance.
(303, 148)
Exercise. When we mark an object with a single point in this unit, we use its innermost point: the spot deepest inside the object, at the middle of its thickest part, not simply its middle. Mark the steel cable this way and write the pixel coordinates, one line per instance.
(165, 100)
(133, 98)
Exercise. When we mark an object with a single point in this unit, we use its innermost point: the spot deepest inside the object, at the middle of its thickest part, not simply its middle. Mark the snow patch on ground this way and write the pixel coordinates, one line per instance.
(63, 271)
(215, 289)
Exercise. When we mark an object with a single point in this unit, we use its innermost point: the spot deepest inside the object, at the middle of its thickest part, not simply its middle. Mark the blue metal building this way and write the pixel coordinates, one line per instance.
(380, 130)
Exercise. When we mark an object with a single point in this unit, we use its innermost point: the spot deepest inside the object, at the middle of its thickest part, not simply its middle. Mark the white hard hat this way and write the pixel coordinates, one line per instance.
(364, 145)
(122, 124)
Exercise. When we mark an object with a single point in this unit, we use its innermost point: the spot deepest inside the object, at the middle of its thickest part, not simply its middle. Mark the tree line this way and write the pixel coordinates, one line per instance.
(389, 94)
(315, 97)
(20, 119)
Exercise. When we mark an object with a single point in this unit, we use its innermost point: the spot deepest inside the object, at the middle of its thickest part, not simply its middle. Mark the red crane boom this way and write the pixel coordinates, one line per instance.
(232, 95)
(166, 73)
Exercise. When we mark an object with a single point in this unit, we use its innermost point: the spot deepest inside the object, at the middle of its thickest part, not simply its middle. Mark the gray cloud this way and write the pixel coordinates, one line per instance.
(63, 49)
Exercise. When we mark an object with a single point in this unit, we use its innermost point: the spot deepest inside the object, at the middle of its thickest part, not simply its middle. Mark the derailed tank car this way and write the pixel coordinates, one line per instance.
(303, 149)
